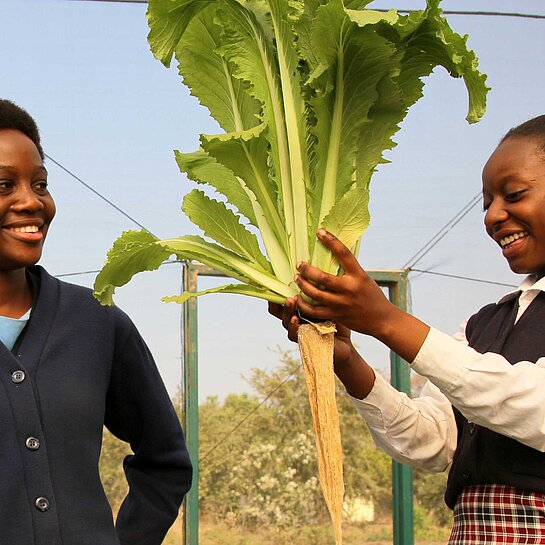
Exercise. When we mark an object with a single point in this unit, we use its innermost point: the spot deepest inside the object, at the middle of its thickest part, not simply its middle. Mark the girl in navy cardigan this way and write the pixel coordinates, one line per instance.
(69, 366)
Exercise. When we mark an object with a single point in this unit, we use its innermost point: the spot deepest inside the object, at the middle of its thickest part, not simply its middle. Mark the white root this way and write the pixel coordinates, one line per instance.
(316, 347)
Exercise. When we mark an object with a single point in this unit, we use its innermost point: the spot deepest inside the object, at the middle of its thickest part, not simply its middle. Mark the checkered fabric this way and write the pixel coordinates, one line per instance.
(497, 514)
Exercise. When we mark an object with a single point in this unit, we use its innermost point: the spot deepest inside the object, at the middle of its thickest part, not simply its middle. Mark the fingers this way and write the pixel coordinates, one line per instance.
(312, 277)
(286, 313)
(347, 260)
(276, 310)
(314, 311)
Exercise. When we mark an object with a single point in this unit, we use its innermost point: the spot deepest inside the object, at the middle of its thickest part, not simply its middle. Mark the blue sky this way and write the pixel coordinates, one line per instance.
(112, 114)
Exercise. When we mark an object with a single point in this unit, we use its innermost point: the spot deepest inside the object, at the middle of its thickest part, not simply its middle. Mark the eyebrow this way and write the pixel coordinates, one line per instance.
(40, 168)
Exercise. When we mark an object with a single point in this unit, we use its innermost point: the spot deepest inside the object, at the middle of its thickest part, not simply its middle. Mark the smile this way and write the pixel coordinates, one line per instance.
(26, 233)
(25, 229)
(505, 241)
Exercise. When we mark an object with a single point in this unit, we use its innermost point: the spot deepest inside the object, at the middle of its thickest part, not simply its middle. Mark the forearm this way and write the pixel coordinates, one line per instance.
(156, 489)
(357, 376)
(420, 432)
(486, 388)
(140, 412)
(401, 332)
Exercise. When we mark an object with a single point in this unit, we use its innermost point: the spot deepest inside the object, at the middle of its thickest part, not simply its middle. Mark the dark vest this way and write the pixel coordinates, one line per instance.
(483, 456)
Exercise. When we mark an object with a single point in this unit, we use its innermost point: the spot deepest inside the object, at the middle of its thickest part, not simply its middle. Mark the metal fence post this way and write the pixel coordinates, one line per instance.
(190, 411)
(402, 475)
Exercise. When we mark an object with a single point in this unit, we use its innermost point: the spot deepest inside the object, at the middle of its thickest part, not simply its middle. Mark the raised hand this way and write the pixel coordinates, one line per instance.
(353, 299)
(356, 375)
(356, 301)
(291, 321)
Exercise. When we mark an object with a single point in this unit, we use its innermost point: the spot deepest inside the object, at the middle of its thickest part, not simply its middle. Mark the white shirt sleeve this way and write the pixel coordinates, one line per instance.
(486, 388)
(420, 432)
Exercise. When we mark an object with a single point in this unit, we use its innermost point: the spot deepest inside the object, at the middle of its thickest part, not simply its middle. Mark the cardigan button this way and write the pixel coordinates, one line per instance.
(42, 504)
(18, 376)
(32, 443)
(466, 475)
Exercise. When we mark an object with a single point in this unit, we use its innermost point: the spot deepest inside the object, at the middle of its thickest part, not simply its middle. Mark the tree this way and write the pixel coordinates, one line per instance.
(111, 468)
(270, 473)
(257, 456)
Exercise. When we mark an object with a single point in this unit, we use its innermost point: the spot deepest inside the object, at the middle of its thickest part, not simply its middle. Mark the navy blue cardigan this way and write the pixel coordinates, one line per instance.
(79, 366)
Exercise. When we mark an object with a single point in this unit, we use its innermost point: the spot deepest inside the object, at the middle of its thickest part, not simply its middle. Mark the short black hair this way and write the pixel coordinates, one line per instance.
(533, 128)
(14, 117)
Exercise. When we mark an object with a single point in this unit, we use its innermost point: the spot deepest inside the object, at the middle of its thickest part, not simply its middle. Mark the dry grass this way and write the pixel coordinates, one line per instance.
(379, 533)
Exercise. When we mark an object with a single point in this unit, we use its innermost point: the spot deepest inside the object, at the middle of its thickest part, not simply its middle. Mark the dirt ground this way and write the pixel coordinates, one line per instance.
(369, 534)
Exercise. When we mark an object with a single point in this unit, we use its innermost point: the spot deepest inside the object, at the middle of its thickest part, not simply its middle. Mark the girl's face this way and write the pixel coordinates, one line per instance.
(514, 202)
(26, 207)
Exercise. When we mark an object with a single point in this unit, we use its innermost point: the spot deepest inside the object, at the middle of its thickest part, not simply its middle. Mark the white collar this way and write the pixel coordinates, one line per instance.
(529, 283)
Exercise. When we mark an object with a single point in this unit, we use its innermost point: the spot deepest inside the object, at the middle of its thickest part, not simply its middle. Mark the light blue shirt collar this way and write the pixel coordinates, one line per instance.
(10, 328)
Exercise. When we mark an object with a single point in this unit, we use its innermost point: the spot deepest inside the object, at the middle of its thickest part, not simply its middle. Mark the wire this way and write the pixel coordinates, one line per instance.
(464, 278)
(446, 12)
(168, 262)
(442, 232)
(75, 274)
(414, 259)
(486, 13)
(496, 14)
(254, 410)
(120, 1)
(98, 194)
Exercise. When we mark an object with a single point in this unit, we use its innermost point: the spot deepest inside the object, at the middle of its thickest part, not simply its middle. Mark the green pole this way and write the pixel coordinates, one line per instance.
(191, 402)
(402, 475)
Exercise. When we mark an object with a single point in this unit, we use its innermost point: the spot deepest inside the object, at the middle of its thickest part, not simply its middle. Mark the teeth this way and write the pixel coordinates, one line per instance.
(26, 229)
(505, 241)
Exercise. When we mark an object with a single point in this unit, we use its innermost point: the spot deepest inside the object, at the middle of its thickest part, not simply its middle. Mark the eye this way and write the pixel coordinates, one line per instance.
(5, 185)
(40, 186)
(514, 196)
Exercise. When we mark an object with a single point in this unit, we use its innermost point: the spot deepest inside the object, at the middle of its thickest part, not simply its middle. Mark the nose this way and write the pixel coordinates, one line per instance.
(495, 215)
(26, 200)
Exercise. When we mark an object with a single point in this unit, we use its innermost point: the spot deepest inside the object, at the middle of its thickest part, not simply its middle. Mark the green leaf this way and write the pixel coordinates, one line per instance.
(245, 153)
(430, 42)
(209, 76)
(168, 20)
(241, 289)
(348, 220)
(249, 43)
(131, 253)
(222, 225)
(192, 247)
(294, 190)
(353, 60)
(204, 169)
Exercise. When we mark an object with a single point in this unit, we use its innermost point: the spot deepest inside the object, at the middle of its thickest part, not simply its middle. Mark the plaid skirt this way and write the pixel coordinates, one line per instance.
(497, 514)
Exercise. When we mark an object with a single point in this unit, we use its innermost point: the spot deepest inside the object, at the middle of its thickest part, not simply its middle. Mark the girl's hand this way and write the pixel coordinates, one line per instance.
(353, 299)
(356, 375)
(356, 301)
(287, 313)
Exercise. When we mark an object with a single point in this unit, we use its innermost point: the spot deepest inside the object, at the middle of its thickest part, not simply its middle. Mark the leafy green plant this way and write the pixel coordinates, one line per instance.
(309, 94)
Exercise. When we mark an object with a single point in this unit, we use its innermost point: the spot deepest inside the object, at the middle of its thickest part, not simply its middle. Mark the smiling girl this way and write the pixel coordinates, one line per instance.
(482, 411)
(69, 366)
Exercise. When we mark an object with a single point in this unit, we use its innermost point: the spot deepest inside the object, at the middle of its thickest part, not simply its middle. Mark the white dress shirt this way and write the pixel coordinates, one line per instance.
(485, 388)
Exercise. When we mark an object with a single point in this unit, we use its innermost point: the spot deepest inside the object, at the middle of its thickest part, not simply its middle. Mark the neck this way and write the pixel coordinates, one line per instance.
(15, 293)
